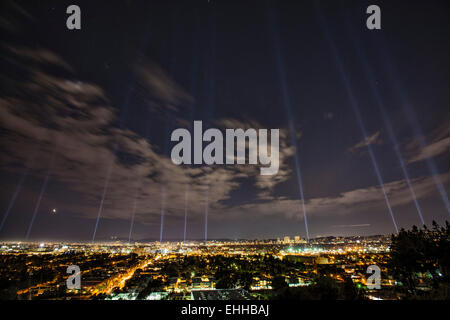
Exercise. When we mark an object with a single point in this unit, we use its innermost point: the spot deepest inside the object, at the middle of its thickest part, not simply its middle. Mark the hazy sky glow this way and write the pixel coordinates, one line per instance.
(102, 102)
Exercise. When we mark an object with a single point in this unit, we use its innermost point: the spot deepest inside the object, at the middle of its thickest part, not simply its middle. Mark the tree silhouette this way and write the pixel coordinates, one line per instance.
(279, 282)
(421, 251)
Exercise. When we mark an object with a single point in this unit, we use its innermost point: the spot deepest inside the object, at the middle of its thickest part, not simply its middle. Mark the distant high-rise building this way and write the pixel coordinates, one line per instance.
(297, 239)
(286, 239)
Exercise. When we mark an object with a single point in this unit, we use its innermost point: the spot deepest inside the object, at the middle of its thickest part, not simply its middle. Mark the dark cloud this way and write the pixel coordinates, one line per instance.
(75, 120)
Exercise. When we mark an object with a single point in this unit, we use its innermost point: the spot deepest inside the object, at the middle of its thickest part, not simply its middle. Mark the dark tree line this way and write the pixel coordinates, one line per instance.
(422, 255)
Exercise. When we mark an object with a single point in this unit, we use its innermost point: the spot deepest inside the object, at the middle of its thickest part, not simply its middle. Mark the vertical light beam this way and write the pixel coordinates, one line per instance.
(210, 85)
(18, 189)
(163, 208)
(206, 213)
(191, 108)
(105, 189)
(186, 197)
(121, 125)
(412, 119)
(139, 184)
(387, 123)
(288, 109)
(355, 108)
(41, 194)
(169, 124)
(133, 213)
(111, 164)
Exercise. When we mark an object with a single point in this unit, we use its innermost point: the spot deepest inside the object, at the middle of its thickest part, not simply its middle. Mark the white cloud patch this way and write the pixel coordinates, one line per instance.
(372, 139)
(439, 145)
(348, 202)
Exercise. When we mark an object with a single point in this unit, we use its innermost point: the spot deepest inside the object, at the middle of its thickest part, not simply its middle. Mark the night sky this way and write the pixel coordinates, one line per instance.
(86, 117)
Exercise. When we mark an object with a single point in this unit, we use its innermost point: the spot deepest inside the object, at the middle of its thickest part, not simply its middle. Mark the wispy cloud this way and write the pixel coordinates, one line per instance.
(162, 89)
(432, 150)
(349, 202)
(439, 144)
(372, 139)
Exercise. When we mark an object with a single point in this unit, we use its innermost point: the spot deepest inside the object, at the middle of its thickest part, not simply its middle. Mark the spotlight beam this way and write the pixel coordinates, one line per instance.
(105, 189)
(288, 110)
(387, 123)
(191, 110)
(41, 194)
(17, 190)
(210, 103)
(186, 196)
(163, 208)
(169, 121)
(412, 119)
(355, 108)
(139, 184)
(132, 219)
(116, 142)
(111, 165)
(206, 213)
